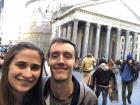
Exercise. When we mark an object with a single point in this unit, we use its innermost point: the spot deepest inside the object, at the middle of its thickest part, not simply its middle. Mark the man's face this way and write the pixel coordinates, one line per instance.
(61, 61)
(130, 61)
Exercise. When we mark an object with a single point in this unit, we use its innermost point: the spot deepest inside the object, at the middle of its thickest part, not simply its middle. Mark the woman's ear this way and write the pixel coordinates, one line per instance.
(76, 63)
(48, 62)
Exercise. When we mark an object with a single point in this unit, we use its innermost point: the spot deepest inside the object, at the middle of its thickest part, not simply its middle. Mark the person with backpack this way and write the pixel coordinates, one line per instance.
(87, 66)
(62, 88)
(101, 79)
(129, 74)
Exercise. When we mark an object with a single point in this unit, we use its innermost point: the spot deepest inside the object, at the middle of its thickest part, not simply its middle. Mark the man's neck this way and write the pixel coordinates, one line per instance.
(63, 90)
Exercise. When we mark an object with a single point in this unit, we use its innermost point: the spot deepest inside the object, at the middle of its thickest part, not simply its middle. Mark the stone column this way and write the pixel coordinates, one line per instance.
(85, 40)
(97, 40)
(134, 45)
(107, 42)
(126, 44)
(90, 44)
(118, 38)
(69, 31)
(75, 29)
(59, 31)
(54, 31)
(64, 31)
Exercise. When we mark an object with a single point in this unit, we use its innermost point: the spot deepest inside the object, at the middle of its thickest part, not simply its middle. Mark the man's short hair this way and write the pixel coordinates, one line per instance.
(63, 40)
(89, 55)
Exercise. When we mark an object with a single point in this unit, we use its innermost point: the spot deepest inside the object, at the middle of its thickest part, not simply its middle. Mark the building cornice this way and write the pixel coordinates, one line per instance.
(84, 15)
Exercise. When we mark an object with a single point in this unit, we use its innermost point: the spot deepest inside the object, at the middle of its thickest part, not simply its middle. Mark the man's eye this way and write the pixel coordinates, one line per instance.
(68, 55)
(54, 56)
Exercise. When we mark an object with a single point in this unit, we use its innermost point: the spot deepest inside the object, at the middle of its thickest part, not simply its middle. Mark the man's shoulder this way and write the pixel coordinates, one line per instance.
(86, 94)
(45, 85)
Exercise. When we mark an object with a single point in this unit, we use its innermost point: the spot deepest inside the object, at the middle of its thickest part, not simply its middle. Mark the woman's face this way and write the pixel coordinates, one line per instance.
(24, 70)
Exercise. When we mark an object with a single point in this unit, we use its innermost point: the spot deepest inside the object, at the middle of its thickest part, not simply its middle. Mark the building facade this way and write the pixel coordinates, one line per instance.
(37, 27)
(98, 28)
(1, 5)
(104, 28)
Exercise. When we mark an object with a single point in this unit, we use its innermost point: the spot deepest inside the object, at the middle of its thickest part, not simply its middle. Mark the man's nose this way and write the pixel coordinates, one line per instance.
(61, 58)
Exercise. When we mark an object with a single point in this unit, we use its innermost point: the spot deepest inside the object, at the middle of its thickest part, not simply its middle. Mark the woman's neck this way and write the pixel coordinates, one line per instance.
(18, 97)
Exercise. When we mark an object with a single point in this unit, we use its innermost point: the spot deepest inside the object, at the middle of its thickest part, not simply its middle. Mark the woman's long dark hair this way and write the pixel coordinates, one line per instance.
(34, 96)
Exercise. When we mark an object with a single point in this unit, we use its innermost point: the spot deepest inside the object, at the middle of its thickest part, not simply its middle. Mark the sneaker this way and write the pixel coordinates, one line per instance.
(129, 100)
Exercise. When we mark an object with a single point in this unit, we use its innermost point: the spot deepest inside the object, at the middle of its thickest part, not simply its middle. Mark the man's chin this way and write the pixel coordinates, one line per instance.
(60, 79)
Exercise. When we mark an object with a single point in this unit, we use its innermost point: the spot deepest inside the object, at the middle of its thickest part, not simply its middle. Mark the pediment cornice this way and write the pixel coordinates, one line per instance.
(100, 19)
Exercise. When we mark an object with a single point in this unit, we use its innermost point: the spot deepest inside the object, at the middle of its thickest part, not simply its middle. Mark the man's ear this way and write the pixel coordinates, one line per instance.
(47, 60)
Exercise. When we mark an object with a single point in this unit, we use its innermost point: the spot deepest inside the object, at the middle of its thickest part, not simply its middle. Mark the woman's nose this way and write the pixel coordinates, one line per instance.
(27, 73)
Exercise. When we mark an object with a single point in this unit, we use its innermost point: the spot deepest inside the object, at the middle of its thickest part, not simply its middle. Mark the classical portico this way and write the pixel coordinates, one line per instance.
(98, 33)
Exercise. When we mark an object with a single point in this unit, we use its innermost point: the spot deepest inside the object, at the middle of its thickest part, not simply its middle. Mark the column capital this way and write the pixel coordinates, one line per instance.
(69, 23)
(128, 31)
(119, 29)
(135, 33)
(98, 26)
(109, 27)
(75, 20)
(87, 24)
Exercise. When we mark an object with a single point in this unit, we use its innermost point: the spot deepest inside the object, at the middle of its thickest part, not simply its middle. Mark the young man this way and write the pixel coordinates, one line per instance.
(100, 79)
(62, 88)
(128, 74)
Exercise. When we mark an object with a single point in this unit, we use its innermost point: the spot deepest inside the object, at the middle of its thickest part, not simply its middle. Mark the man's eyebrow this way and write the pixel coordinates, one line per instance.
(53, 52)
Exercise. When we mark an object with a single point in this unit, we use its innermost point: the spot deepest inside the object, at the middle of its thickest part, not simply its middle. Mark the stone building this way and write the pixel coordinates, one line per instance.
(107, 28)
(98, 28)
(37, 27)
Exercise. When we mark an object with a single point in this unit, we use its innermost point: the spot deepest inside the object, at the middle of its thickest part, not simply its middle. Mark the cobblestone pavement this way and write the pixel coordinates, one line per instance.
(135, 95)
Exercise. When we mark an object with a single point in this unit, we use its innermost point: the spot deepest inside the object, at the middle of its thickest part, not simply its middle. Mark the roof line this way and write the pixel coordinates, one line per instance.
(84, 5)
(132, 11)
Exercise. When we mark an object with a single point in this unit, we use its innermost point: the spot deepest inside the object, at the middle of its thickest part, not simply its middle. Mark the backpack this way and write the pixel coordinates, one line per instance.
(103, 76)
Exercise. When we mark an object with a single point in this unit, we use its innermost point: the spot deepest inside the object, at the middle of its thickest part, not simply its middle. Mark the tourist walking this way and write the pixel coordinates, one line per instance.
(128, 74)
(87, 67)
(100, 80)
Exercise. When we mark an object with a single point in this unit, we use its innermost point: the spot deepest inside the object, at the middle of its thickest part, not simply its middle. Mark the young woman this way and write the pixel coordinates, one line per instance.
(21, 76)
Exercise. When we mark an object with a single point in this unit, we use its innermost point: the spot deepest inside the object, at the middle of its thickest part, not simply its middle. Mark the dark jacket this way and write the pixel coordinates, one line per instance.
(102, 76)
(82, 95)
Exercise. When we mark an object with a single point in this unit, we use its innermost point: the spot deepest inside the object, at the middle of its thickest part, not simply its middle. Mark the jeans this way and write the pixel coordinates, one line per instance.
(104, 91)
(129, 86)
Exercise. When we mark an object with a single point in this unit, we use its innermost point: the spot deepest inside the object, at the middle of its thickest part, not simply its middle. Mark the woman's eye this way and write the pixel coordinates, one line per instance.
(35, 67)
(21, 65)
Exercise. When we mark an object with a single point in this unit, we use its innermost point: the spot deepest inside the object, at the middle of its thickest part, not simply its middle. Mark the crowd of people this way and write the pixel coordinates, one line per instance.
(23, 83)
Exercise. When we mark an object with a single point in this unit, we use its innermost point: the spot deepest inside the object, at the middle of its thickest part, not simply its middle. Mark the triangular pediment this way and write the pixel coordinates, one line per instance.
(112, 8)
